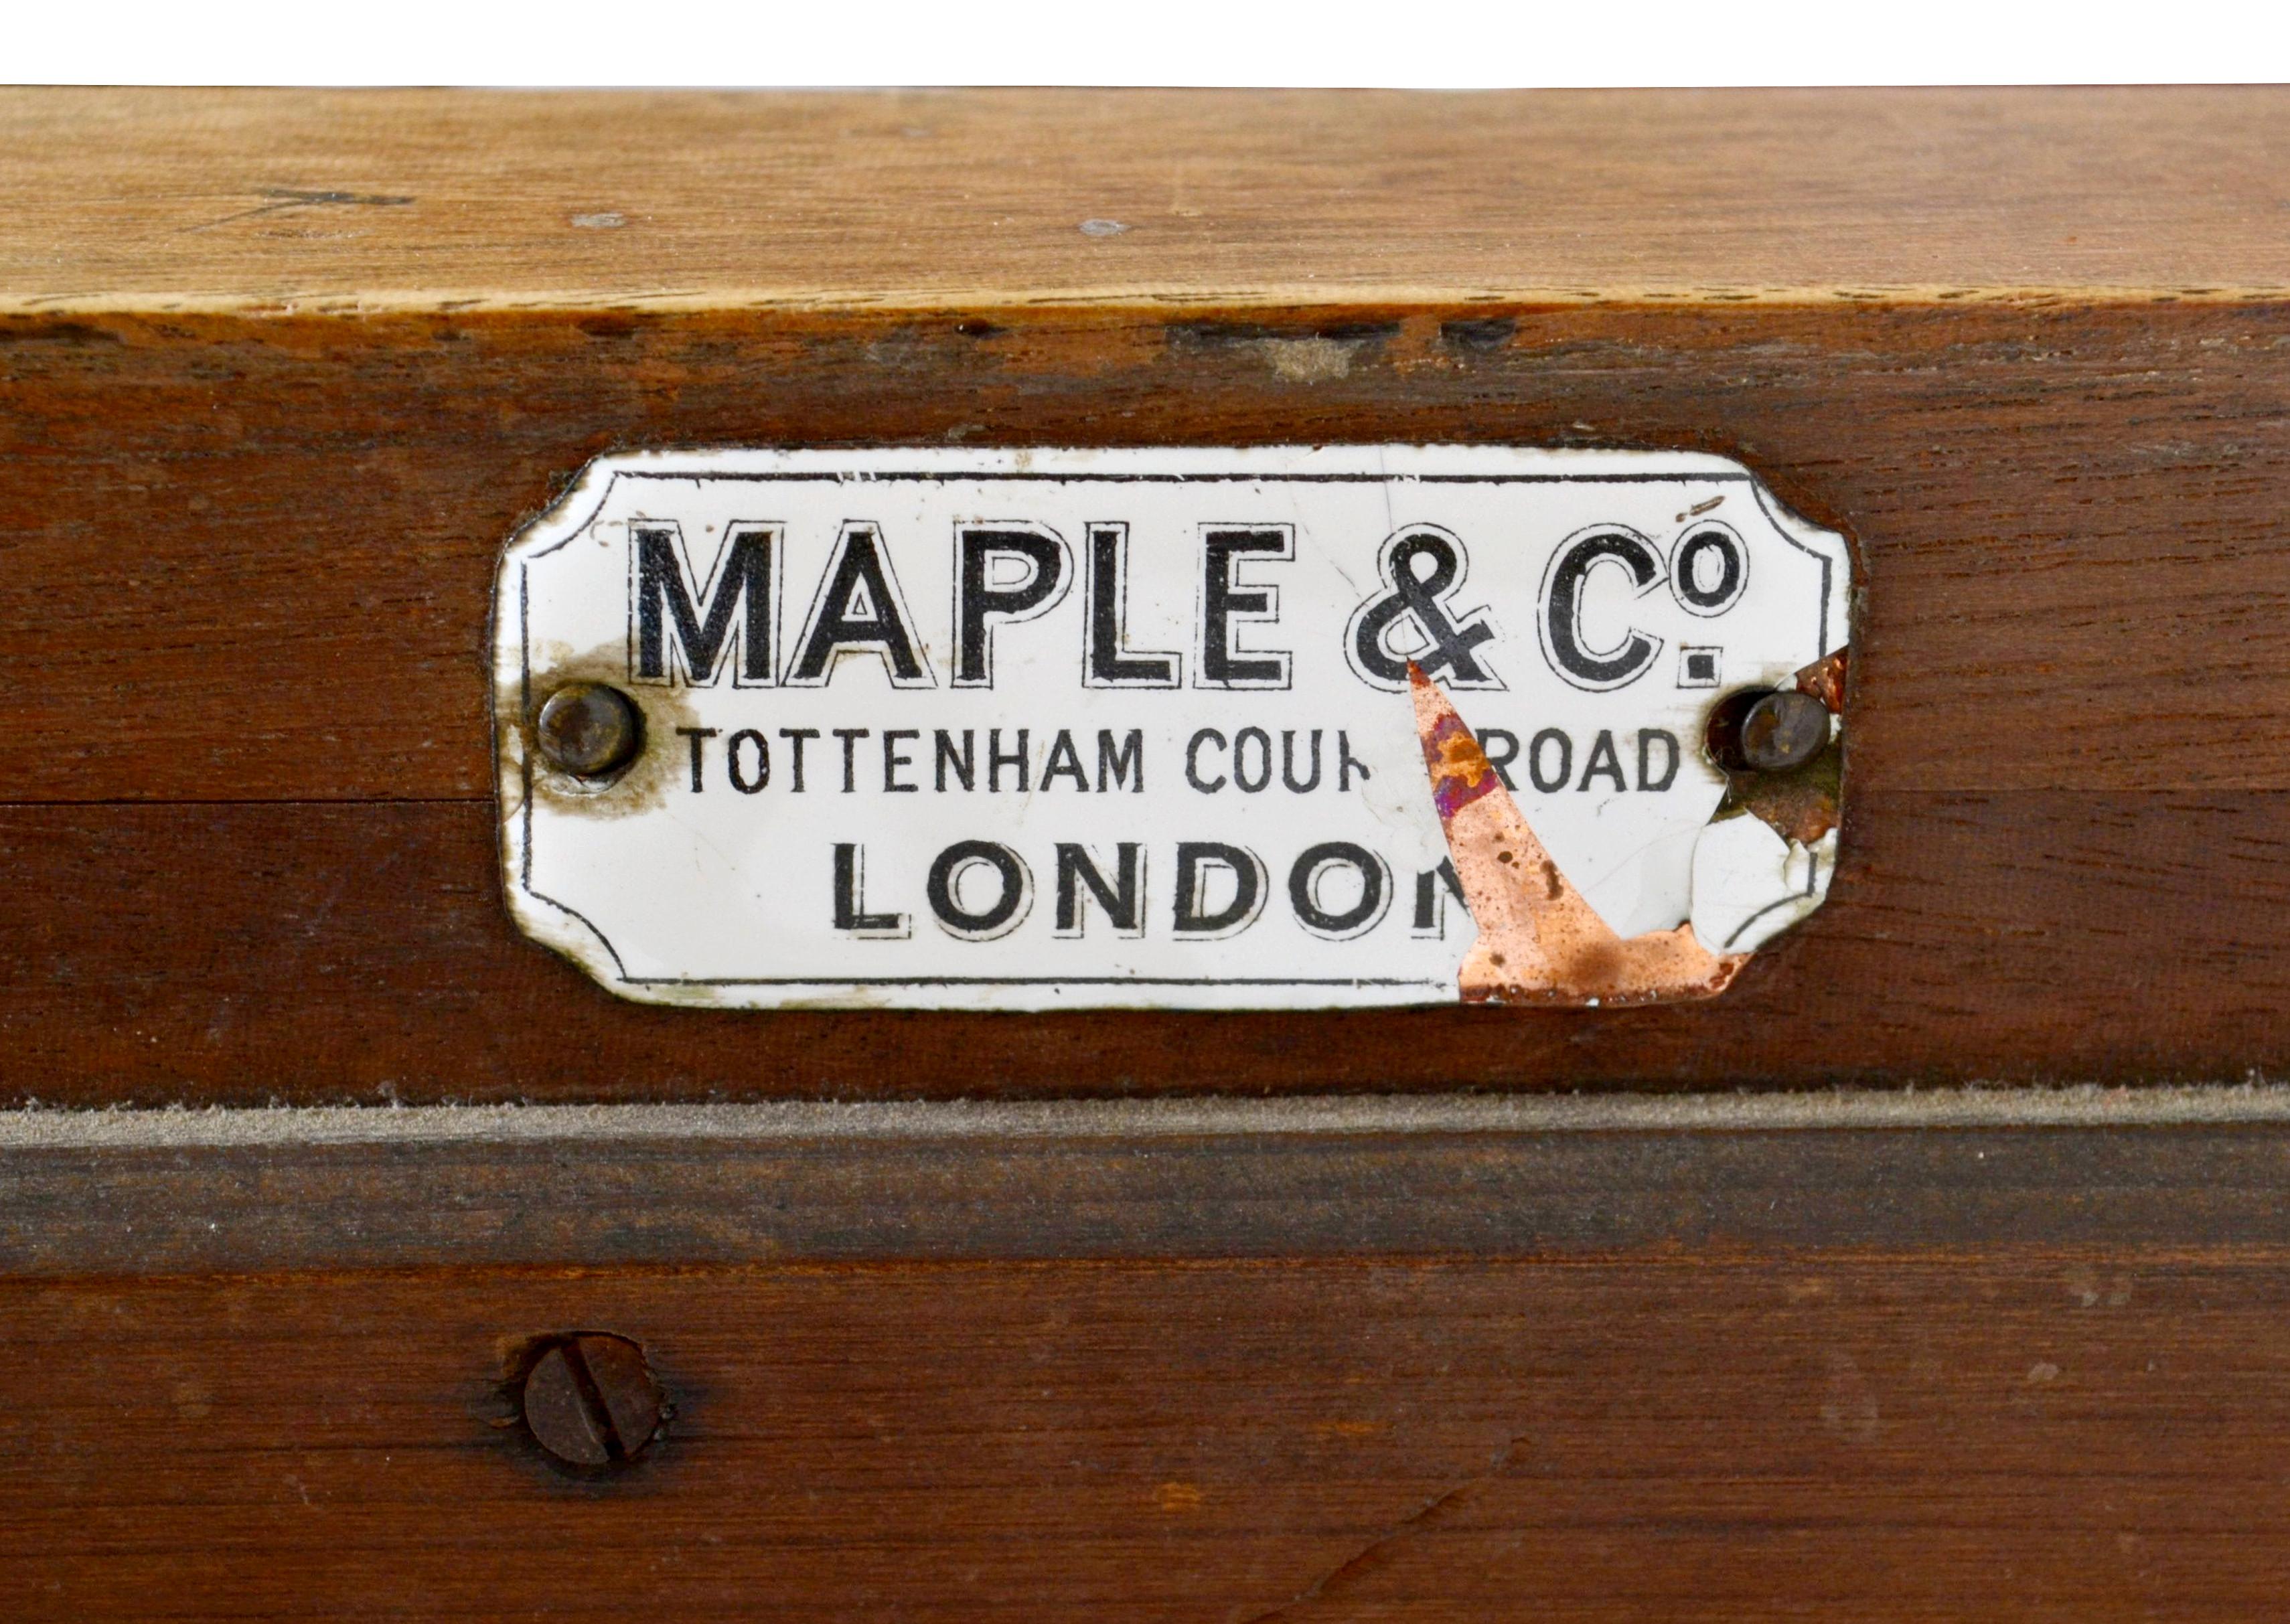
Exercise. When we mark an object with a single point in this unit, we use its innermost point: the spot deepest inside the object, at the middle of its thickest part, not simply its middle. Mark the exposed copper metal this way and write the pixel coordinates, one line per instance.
(1538, 941)
(1825, 680)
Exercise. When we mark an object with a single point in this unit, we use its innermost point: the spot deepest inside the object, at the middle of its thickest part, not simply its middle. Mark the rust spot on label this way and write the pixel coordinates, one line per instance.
(1801, 803)
(1460, 771)
(1538, 941)
(644, 784)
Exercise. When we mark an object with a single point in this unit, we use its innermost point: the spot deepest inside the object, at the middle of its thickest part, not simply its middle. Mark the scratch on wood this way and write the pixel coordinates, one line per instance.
(281, 198)
(1369, 1556)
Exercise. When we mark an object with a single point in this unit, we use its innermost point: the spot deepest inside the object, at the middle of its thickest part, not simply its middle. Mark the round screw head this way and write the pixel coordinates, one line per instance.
(588, 730)
(589, 1400)
(1784, 730)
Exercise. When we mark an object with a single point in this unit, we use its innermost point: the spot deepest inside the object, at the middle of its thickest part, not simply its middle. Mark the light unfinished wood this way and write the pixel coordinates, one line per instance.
(426, 200)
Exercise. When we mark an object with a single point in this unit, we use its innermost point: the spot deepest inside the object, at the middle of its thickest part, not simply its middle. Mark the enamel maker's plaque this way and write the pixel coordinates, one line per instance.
(1195, 729)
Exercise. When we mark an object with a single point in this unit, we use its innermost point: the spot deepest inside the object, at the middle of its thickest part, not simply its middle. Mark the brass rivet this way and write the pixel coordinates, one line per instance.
(588, 730)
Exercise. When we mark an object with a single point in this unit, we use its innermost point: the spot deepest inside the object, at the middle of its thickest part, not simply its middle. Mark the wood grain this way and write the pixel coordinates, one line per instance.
(423, 1190)
(2051, 1435)
(280, 373)
(2076, 566)
(255, 472)
(429, 200)
(925, 1371)
(340, 953)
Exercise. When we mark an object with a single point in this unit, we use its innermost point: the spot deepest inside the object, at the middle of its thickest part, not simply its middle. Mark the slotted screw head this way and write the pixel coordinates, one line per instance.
(1784, 730)
(588, 730)
(589, 1399)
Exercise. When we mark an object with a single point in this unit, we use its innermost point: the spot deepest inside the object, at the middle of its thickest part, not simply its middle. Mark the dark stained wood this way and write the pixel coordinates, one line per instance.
(2073, 1434)
(252, 563)
(321, 953)
(922, 1371)
(253, 559)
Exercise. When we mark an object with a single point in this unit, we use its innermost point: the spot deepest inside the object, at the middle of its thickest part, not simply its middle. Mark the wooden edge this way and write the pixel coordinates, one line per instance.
(1134, 300)
(164, 1193)
(2091, 1105)
(428, 199)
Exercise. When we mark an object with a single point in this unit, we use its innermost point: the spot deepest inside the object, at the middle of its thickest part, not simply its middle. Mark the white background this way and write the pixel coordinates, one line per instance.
(1426, 43)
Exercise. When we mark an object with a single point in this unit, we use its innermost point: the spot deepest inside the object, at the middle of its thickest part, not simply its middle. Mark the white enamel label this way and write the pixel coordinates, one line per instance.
(1030, 729)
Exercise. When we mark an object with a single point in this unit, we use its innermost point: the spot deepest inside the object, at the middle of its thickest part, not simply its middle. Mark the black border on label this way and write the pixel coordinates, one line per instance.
(525, 656)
